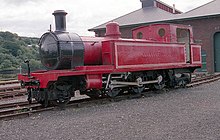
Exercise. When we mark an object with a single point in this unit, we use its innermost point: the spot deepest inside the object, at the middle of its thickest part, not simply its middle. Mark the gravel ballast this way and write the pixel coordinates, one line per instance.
(181, 114)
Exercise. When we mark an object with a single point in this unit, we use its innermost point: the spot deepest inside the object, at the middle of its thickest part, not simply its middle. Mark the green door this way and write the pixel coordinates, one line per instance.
(217, 51)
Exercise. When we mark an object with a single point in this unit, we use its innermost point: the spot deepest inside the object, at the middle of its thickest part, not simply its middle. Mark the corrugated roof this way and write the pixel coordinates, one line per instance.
(143, 15)
(154, 14)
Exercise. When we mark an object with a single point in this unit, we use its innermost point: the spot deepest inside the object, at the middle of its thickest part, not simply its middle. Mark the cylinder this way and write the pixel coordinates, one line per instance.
(93, 81)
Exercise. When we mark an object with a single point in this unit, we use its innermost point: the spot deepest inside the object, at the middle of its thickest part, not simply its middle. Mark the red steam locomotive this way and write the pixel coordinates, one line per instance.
(159, 55)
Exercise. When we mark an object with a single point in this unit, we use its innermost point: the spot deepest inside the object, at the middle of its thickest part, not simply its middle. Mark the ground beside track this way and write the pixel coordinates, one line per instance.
(192, 114)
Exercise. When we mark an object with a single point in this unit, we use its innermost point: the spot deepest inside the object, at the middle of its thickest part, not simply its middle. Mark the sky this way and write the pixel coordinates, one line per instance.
(33, 17)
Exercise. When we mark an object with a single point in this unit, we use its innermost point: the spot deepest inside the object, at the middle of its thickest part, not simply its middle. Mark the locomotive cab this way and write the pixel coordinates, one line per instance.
(169, 33)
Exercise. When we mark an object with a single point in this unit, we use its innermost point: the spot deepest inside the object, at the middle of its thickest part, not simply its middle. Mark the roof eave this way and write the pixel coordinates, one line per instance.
(195, 18)
(171, 20)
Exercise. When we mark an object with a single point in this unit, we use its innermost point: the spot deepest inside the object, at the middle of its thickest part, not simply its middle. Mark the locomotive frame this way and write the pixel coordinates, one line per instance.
(113, 65)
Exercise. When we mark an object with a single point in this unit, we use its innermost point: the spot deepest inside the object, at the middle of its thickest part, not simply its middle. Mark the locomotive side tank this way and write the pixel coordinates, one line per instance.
(158, 56)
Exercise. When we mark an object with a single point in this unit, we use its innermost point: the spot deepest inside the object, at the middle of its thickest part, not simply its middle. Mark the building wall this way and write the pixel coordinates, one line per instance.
(159, 4)
(167, 8)
(204, 30)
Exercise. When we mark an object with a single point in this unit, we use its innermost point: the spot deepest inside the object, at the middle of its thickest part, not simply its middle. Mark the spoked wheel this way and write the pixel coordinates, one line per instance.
(62, 93)
(183, 80)
(44, 102)
(63, 96)
(113, 92)
(159, 86)
(138, 90)
(29, 95)
(182, 83)
(60, 103)
(124, 91)
(161, 83)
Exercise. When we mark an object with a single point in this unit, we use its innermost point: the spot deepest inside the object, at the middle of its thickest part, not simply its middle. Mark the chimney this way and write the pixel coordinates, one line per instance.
(174, 9)
(60, 20)
(148, 3)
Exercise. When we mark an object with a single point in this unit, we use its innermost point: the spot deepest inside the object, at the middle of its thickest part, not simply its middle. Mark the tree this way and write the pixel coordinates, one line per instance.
(6, 64)
(8, 36)
(14, 50)
(12, 47)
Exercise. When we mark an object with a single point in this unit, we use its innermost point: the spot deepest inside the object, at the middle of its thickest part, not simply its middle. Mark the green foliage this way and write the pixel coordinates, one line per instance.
(14, 50)
(8, 36)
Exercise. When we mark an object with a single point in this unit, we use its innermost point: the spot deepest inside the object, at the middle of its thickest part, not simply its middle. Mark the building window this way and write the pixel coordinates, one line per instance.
(161, 32)
(139, 35)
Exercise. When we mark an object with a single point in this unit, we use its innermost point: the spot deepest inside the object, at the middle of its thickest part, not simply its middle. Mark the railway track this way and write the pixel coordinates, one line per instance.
(203, 79)
(10, 81)
(22, 109)
(9, 85)
(12, 94)
(11, 89)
